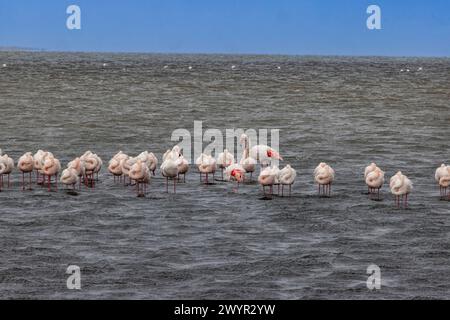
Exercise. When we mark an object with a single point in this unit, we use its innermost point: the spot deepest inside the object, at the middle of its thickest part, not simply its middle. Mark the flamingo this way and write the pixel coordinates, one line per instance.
(206, 165)
(79, 168)
(169, 169)
(115, 167)
(400, 186)
(140, 173)
(26, 165)
(6, 167)
(51, 168)
(224, 160)
(235, 172)
(286, 177)
(39, 158)
(126, 165)
(442, 176)
(69, 177)
(92, 163)
(267, 178)
(247, 162)
(324, 176)
(374, 181)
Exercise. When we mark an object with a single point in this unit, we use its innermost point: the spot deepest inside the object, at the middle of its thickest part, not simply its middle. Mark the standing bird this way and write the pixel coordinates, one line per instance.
(286, 177)
(324, 176)
(235, 172)
(51, 168)
(79, 168)
(140, 173)
(91, 163)
(69, 177)
(400, 186)
(26, 165)
(442, 177)
(267, 179)
(6, 167)
(169, 169)
(115, 165)
(206, 165)
(126, 165)
(247, 162)
(224, 160)
(374, 181)
(39, 159)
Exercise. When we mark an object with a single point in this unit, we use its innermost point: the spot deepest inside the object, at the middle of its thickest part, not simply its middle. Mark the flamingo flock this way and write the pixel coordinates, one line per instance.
(137, 171)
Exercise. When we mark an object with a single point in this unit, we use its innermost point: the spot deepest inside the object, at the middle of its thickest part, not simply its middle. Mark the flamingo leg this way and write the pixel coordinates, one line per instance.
(290, 187)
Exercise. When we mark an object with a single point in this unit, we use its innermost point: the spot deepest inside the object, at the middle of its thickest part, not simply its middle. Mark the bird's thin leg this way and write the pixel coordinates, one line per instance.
(290, 187)
(282, 190)
(167, 184)
(174, 184)
(23, 181)
(406, 200)
(8, 180)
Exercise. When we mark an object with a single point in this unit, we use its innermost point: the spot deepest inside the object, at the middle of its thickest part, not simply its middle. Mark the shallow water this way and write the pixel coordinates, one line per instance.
(207, 241)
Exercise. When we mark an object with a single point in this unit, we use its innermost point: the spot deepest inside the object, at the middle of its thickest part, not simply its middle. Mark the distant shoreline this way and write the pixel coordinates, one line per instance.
(37, 50)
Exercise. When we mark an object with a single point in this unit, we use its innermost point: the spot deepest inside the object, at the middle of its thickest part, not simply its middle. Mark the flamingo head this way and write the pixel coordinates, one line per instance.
(273, 154)
(237, 174)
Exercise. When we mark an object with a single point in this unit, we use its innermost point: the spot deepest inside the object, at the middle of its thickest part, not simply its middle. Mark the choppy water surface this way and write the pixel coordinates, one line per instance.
(206, 241)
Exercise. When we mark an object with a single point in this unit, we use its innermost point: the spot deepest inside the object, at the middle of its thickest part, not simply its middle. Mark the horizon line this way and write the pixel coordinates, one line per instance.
(39, 50)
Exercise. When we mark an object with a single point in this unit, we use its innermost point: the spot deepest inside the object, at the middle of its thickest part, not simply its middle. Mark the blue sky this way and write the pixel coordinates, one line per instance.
(322, 27)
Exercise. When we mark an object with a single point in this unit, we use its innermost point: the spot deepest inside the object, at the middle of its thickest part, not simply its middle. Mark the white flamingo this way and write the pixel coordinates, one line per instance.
(401, 187)
(286, 177)
(324, 176)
